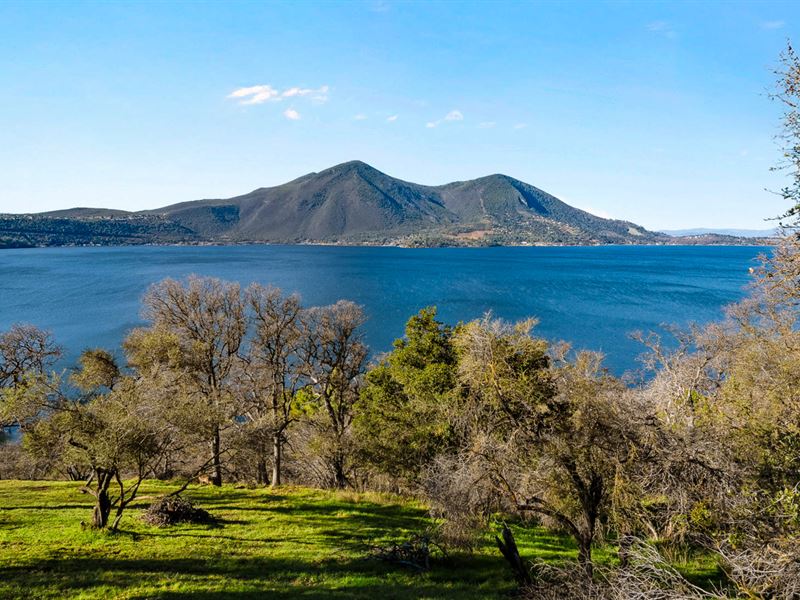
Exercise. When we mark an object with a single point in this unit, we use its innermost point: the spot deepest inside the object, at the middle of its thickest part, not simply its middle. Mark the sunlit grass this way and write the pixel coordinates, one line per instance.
(294, 542)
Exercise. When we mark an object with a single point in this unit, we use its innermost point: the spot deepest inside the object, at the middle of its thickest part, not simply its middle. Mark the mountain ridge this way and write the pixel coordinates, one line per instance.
(349, 203)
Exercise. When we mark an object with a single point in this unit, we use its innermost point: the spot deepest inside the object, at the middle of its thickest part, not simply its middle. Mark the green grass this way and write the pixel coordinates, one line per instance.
(292, 543)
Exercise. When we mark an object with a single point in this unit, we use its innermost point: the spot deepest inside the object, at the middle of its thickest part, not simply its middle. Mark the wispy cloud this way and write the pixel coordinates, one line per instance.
(259, 94)
(379, 6)
(392, 119)
(486, 125)
(664, 28)
(772, 24)
(360, 117)
(453, 115)
(291, 114)
(520, 125)
(256, 94)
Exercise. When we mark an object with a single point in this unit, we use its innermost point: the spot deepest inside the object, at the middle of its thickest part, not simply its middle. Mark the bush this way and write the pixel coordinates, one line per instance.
(171, 510)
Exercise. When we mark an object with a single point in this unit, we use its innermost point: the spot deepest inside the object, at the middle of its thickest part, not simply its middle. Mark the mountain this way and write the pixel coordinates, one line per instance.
(744, 233)
(351, 203)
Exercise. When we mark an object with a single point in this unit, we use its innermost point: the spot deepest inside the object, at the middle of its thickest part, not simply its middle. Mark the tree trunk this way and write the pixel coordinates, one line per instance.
(216, 476)
(591, 498)
(585, 554)
(277, 456)
(508, 547)
(118, 518)
(262, 477)
(339, 477)
(102, 504)
(624, 553)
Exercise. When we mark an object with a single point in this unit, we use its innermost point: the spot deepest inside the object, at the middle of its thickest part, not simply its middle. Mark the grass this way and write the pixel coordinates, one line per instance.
(291, 543)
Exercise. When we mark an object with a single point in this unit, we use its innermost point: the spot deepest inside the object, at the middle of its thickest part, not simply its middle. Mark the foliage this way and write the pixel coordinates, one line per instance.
(402, 420)
(542, 434)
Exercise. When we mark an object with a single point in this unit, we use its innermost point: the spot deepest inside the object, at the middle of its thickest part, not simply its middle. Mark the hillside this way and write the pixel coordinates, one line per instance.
(351, 203)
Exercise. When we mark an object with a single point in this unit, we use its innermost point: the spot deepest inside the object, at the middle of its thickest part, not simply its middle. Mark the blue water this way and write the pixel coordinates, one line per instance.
(592, 297)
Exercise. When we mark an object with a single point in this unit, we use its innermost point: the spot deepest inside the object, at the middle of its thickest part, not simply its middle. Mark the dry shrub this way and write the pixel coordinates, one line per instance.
(414, 553)
(771, 571)
(647, 576)
(455, 487)
(171, 510)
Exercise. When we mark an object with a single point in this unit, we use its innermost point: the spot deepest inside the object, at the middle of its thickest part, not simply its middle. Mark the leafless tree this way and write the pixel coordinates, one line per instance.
(197, 329)
(273, 373)
(334, 357)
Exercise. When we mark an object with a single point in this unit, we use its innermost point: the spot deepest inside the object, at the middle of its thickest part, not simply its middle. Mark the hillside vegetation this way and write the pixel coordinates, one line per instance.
(350, 203)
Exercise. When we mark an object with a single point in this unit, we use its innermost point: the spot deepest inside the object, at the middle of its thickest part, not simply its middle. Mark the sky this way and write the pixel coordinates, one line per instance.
(657, 113)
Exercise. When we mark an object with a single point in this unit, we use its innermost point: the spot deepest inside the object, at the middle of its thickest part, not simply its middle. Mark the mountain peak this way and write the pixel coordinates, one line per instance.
(355, 203)
(357, 166)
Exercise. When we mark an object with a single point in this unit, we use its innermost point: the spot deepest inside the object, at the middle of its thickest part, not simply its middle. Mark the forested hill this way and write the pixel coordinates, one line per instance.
(351, 203)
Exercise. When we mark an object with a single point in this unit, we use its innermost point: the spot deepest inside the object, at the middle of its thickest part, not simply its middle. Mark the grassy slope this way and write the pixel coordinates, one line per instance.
(294, 543)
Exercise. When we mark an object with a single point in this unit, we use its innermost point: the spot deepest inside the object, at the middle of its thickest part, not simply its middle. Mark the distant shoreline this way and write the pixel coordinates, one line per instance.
(752, 243)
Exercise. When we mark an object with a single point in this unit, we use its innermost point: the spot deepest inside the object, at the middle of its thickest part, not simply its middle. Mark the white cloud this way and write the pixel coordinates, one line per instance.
(663, 28)
(657, 26)
(291, 114)
(360, 117)
(520, 125)
(486, 125)
(256, 94)
(453, 115)
(259, 94)
(392, 119)
(772, 24)
(318, 95)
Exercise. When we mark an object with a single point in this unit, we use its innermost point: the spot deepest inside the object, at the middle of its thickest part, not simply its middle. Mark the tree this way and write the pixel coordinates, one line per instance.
(542, 434)
(197, 330)
(114, 428)
(334, 357)
(97, 369)
(26, 353)
(273, 373)
(788, 93)
(401, 421)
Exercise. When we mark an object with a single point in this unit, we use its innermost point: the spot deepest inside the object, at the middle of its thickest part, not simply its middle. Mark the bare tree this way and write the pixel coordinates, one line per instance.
(197, 329)
(26, 352)
(273, 373)
(334, 358)
(25, 349)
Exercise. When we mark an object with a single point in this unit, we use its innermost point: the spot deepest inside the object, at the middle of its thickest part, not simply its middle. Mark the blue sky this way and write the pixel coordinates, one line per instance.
(652, 112)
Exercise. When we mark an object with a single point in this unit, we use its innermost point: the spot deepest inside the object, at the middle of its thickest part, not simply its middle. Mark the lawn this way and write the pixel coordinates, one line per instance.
(291, 543)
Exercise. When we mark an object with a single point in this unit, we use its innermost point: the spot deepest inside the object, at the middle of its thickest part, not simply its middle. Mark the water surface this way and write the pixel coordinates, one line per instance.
(593, 297)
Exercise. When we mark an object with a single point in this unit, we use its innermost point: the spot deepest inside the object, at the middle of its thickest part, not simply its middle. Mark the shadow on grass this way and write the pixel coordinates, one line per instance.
(244, 578)
(49, 507)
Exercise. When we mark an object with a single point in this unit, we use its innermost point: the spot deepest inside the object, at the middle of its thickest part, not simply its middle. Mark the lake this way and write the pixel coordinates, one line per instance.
(593, 297)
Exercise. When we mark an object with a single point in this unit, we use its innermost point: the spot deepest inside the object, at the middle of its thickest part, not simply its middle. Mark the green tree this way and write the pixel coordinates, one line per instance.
(541, 434)
(402, 420)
